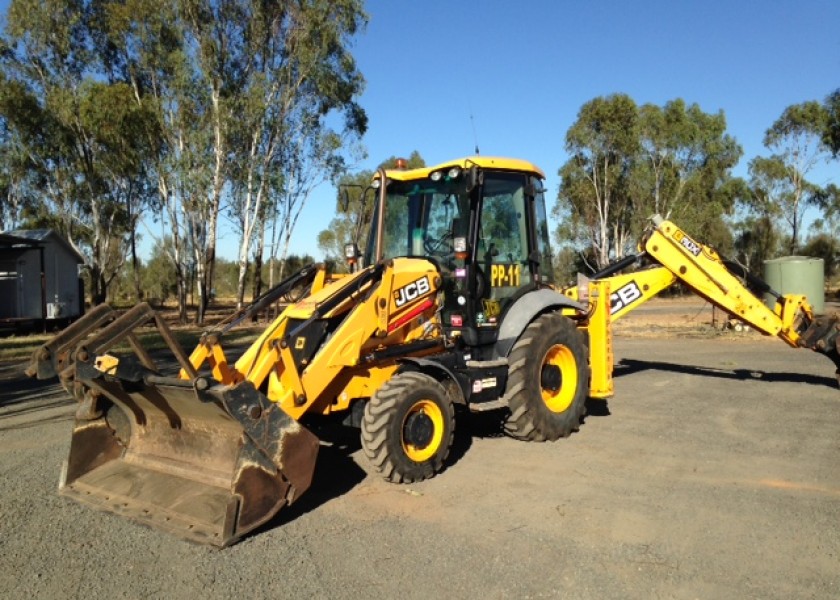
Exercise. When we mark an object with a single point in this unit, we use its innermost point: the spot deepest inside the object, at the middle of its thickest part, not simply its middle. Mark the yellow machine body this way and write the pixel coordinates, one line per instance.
(455, 306)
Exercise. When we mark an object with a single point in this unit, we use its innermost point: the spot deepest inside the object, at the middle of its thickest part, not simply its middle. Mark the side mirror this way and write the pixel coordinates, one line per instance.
(345, 200)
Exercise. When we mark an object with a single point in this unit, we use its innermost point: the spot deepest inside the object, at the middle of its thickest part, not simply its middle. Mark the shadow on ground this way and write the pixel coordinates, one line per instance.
(629, 366)
(337, 472)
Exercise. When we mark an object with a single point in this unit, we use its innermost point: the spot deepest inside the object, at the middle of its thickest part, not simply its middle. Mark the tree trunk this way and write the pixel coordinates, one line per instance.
(206, 279)
(132, 234)
(258, 264)
(241, 279)
(98, 289)
(182, 295)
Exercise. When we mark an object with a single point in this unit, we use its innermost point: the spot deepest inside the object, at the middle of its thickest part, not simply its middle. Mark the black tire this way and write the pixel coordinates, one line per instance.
(548, 381)
(408, 427)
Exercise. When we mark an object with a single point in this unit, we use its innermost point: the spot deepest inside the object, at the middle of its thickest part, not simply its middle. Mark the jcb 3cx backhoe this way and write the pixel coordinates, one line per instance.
(451, 303)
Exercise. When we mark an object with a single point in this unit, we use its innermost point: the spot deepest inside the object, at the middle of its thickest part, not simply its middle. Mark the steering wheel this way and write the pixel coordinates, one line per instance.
(433, 246)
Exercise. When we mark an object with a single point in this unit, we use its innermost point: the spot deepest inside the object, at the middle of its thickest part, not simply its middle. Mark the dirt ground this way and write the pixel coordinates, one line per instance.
(714, 472)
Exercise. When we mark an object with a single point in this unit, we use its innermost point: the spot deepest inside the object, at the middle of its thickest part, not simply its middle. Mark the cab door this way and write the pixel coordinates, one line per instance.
(502, 246)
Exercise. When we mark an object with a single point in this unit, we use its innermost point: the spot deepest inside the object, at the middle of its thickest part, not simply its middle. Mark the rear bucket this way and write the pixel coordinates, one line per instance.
(205, 465)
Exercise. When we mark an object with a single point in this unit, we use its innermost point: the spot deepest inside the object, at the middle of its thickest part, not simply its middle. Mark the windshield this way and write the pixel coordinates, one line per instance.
(421, 218)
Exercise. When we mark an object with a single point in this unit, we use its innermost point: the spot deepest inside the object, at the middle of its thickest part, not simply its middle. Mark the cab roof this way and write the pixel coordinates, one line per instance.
(485, 162)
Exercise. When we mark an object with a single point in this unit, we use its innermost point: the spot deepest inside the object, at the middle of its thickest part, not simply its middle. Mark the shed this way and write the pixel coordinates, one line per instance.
(39, 278)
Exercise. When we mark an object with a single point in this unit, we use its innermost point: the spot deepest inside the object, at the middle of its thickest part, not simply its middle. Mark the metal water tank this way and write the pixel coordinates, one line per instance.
(796, 275)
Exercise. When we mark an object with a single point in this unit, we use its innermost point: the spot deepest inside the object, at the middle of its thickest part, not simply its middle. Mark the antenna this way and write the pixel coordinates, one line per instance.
(475, 135)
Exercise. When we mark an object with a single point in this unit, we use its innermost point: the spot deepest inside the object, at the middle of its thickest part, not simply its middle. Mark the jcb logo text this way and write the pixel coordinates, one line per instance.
(413, 290)
(624, 296)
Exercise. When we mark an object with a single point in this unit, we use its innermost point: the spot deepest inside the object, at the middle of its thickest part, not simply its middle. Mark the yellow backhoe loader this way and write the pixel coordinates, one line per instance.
(450, 303)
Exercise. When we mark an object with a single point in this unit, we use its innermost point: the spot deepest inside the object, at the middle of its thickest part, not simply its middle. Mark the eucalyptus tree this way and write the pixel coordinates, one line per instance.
(142, 43)
(242, 92)
(603, 143)
(354, 209)
(71, 132)
(629, 162)
(120, 129)
(828, 201)
(298, 73)
(687, 161)
(756, 239)
(14, 174)
(352, 216)
(312, 160)
(796, 138)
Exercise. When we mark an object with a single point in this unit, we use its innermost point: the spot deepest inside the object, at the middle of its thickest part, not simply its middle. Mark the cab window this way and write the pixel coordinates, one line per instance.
(502, 252)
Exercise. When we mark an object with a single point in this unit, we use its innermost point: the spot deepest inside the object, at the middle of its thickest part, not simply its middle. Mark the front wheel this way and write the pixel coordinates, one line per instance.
(548, 380)
(408, 428)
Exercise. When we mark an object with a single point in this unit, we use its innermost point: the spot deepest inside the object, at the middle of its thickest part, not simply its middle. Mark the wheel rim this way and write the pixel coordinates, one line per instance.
(422, 430)
(558, 378)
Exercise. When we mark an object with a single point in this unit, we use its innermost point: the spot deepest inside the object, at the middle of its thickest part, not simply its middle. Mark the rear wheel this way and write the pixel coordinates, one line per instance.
(408, 428)
(548, 380)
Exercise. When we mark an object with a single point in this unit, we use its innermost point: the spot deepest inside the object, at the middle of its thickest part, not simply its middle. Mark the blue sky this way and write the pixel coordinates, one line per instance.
(524, 69)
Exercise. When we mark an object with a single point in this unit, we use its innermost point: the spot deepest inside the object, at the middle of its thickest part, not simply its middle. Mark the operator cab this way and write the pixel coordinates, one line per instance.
(482, 221)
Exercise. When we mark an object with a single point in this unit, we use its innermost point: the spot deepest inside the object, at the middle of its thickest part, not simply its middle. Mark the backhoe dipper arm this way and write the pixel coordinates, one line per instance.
(701, 269)
(707, 274)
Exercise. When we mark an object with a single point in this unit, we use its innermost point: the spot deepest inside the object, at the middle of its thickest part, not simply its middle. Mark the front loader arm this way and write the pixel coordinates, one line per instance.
(375, 312)
(209, 349)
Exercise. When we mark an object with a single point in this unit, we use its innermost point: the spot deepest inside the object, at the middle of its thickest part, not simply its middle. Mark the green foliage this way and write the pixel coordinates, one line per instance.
(567, 264)
(826, 230)
(594, 191)
(828, 200)
(806, 120)
(159, 275)
(354, 209)
(779, 185)
(159, 279)
(686, 151)
(756, 240)
(110, 107)
(75, 140)
(769, 183)
(692, 157)
(630, 162)
(301, 72)
(826, 247)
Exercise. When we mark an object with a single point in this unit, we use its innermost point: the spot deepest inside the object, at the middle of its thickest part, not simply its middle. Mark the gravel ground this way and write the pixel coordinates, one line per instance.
(713, 473)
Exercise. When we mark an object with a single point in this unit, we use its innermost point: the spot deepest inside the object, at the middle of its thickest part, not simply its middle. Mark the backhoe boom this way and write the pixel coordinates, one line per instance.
(704, 272)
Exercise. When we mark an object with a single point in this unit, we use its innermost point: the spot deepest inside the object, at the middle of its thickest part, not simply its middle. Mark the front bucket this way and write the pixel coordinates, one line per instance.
(206, 465)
